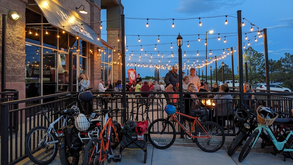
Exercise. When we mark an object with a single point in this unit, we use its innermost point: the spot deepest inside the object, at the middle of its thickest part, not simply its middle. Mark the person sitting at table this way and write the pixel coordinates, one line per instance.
(224, 105)
(101, 86)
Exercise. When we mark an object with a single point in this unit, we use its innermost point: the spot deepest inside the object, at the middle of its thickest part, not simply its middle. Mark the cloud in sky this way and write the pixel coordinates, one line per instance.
(205, 6)
(285, 23)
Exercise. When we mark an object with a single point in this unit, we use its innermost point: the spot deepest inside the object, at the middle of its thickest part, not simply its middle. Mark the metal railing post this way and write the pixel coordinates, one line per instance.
(4, 134)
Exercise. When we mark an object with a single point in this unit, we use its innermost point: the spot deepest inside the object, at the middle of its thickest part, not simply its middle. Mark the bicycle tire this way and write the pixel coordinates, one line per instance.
(213, 130)
(236, 143)
(34, 155)
(114, 141)
(290, 145)
(66, 156)
(247, 146)
(155, 129)
(88, 152)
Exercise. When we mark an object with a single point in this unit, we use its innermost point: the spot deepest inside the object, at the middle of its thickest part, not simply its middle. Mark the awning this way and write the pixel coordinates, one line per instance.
(63, 19)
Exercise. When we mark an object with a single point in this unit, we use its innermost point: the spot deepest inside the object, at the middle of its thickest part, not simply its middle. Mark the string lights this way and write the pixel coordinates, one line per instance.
(199, 23)
(198, 38)
(147, 24)
(173, 25)
(139, 39)
(226, 22)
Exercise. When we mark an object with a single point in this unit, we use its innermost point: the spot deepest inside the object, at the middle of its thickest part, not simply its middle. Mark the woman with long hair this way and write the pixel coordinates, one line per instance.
(84, 82)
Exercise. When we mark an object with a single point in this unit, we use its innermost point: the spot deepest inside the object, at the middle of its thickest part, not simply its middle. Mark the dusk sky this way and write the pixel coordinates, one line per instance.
(276, 16)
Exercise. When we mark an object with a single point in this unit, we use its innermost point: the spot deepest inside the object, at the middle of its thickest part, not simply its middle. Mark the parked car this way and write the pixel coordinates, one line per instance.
(272, 88)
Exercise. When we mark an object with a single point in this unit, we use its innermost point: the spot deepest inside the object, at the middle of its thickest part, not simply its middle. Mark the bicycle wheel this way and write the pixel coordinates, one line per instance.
(92, 152)
(114, 141)
(37, 148)
(290, 146)
(247, 146)
(237, 142)
(216, 140)
(162, 133)
(67, 156)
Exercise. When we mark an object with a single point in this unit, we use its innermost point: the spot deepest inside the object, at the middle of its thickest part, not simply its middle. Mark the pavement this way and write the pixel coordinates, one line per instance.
(186, 152)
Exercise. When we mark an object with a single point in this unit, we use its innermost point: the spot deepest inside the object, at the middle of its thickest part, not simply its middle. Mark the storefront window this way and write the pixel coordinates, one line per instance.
(33, 30)
(63, 71)
(82, 65)
(63, 40)
(32, 73)
(83, 48)
(49, 72)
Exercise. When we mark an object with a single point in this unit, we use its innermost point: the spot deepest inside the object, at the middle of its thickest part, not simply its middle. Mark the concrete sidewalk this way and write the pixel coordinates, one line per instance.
(185, 152)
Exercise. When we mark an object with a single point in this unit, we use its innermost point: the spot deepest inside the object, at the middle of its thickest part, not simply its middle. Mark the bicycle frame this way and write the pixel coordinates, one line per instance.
(278, 145)
(195, 122)
(104, 148)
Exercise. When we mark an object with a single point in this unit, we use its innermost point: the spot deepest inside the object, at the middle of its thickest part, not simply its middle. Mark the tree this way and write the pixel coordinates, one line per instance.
(227, 73)
(255, 65)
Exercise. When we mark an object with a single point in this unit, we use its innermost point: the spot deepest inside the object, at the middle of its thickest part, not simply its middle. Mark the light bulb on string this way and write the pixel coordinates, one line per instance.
(198, 39)
(63, 31)
(158, 38)
(255, 40)
(155, 47)
(224, 51)
(246, 38)
(138, 60)
(159, 60)
(173, 25)
(151, 55)
(243, 23)
(150, 60)
(226, 22)
(258, 32)
(158, 53)
(162, 55)
(46, 32)
(132, 53)
(210, 52)
(169, 60)
(77, 37)
(172, 54)
(101, 27)
(187, 60)
(139, 56)
(118, 39)
(197, 53)
(248, 43)
(36, 34)
(225, 39)
(58, 36)
(235, 50)
(139, 39)
(205, 43)
(219, 38)
(145, 54)
(126, 48)
(244, 46)
(184, 54)
(141, 49)
(251, 29)
(259, 36)
(188, 44)
(199, 23)
(171, 46)
(147, 24)
(196, 60)
(30, 32)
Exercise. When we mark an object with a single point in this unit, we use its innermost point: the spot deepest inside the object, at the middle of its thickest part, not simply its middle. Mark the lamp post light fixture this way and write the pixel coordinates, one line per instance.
(82, 11)
(13, 15)
(179, 44)
(223, 78)
(206, 43)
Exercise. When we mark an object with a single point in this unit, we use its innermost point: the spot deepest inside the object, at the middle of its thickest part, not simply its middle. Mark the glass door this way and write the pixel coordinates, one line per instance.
(63, 72)
(49, 72)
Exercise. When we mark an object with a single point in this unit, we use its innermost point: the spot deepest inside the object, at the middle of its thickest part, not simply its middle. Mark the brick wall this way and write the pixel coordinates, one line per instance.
(15, 47)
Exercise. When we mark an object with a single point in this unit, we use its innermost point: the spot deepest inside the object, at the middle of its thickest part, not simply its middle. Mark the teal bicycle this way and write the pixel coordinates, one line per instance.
(266, 117)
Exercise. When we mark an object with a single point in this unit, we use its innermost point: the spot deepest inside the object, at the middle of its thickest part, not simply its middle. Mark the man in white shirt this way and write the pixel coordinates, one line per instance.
(101, 86)
(194, 79)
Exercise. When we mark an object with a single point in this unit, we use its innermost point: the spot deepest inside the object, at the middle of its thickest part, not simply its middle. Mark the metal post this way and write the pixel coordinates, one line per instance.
(70, 76)
(265, 38)
(206, 61)
(246, 73)
(240, 57)
(123, 68)
(4, 133)
(216, 69)
(3, 74)
(211, 76)
(202, 76)
(232, 64)
(180, 79)
(223, 70)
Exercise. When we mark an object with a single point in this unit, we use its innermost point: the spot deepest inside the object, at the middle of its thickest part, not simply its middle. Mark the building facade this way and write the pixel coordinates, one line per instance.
(54, 39)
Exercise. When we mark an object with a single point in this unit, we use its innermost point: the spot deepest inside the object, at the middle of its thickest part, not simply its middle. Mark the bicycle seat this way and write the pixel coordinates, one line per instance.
(283, 121)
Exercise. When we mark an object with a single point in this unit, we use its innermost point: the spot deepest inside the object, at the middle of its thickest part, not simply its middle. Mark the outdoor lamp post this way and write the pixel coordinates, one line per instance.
(223, 72)
(179, 44)
(211, 69)
(211, 32)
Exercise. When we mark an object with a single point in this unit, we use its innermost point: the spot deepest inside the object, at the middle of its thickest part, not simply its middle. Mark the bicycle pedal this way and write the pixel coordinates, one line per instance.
(117, 158)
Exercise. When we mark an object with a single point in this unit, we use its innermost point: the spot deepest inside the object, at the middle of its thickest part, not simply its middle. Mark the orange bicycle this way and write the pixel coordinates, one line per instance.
(100, 149)
(208, 136)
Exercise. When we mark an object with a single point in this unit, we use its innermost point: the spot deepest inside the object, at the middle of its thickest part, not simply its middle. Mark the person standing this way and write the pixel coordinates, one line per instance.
(172, 78)
(162, 86)
(84, 82)
(248, 98)
(185, 84)
(138, 78)
(138, 87)
(157, 87)
(145, 88)
(101, 86)
(194, 79)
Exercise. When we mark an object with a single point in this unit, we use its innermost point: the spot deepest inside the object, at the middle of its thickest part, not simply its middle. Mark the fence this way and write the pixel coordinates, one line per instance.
(13, 142)
(137, 108)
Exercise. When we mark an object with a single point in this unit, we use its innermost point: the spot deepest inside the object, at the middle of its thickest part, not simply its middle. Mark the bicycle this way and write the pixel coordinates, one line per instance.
(40, 141)
(98, 149)
(285, 146)
(209, 136)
